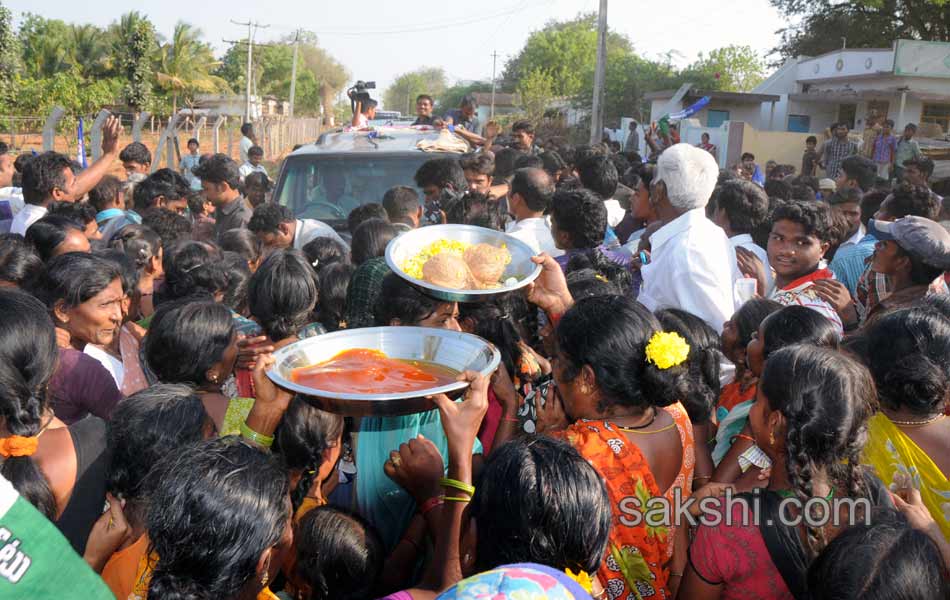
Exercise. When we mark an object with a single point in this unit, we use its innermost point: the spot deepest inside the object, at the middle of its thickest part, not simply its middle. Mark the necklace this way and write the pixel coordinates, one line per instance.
(933, 419)
(633, 429)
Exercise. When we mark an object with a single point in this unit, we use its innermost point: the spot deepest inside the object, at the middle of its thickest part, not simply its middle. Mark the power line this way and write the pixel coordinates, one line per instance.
(252, 27)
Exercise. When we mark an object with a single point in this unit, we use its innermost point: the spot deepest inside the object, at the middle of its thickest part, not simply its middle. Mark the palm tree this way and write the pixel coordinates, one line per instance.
(185, 65)
(89, 50)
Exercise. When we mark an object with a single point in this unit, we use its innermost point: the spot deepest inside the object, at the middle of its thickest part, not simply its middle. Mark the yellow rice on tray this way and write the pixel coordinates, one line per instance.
(413, 266)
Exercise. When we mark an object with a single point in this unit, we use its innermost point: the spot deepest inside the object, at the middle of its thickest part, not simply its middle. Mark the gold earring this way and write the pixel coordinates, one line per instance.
(771, 438)
(265, 579)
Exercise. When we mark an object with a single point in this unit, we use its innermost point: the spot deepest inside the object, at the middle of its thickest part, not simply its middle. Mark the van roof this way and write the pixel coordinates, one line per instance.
(378, 140)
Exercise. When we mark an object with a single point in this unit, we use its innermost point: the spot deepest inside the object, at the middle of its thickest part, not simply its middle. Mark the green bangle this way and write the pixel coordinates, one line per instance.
(456, 499)
(460, 486)
(258, 438)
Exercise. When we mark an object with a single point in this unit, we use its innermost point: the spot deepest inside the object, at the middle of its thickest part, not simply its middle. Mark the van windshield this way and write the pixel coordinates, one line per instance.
(328, 187)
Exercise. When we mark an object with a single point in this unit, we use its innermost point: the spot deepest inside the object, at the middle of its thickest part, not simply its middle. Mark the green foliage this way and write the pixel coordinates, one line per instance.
(67, 89)
(401, 95)
(452, 97)
(9, 57)
(134, 45)
(733, 69)
(185, 65)
(46, 45)
(820, 25)
(536, 90)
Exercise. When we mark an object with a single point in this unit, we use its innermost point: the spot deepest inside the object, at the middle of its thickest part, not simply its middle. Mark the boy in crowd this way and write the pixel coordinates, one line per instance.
(478, 170)
(424, 105)
(162, 189)
(255, 155)
(221, 184)
(801, 235)
(202, 218)
(835, 150)
(846, 203)
(257, 186)
(599, 175)
(522, 136)
(810, 156)
(136, 160)
(884, 150)
(247, 140)
(441, 181)
(189, 163)
(907, 149)
(742, 208)
(528, 200)
(749, 166)
(403, 207)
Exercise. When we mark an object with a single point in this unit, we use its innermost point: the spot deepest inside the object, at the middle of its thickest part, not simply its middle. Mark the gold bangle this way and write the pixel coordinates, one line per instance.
(258, 438)
(459, 485)
(456, 499)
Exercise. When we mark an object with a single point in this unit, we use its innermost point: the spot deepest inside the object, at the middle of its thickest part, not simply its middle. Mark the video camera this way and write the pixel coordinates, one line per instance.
(358, 93)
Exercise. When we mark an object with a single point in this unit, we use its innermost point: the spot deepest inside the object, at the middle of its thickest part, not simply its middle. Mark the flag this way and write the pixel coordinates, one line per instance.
(81, 152)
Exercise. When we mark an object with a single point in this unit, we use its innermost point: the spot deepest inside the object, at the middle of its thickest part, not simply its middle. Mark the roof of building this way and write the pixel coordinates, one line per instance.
(501, 99)
(715, 95)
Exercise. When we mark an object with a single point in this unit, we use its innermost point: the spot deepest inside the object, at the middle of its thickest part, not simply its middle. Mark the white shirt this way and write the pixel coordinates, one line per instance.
(247, 168)
(693, 268)
(246, 144)
(535, 232)
(310, 229)
(14, 196)
(112, 364)
(30, 214)
(857, 237)
(745, 240)
(615, 212)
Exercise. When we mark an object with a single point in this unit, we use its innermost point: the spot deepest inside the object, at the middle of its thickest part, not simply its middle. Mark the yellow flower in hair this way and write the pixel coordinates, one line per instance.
(667, 349)
(582, 579)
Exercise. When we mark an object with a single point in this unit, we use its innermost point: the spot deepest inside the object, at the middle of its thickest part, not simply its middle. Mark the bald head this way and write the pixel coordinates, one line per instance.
(534, 188)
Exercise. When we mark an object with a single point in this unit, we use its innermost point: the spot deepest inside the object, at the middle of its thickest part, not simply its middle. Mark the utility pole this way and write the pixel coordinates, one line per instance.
(252, 27)
(597, 110)
(494, 59)
(293, 73)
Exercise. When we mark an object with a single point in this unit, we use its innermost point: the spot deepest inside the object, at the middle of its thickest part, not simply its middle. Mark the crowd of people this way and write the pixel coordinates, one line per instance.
(767, 353)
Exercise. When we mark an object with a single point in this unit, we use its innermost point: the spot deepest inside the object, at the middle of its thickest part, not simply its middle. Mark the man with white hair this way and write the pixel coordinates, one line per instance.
(692, 265)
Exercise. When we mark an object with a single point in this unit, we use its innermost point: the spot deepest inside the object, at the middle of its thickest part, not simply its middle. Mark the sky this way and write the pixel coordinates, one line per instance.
(376, 40)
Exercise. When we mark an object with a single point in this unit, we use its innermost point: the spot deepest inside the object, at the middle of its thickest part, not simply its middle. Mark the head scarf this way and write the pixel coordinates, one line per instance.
(516, 582)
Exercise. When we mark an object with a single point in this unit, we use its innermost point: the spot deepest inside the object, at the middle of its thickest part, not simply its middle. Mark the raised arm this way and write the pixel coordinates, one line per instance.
(89, 178)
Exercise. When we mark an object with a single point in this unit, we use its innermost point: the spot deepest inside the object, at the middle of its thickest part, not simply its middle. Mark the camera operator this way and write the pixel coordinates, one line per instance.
(364, 107)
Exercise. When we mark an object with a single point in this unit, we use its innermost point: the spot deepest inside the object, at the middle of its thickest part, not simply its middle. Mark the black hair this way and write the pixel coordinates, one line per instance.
(322, 251)
(138, 242)
(74, 278)
(304, 434)
(42, 174)
(196, 204)
(885, 560)
(136, 152)
(505, 160)
(907, 353)
(584, 283)
(936, 302)
(331, 302)
(482, 163)
(398, 299)
(19, 163)
(870, 204)
(441, 173)
(746, 155)
(128, 271)
(247, 129)
(797, 325)
(528, 161)
(469, 100)
(243, 242)
(599, 175)
(257, 179)
(750, 315)
(494, 322)
(169, 225)
(401, 203)
(524, 126)
(28, 357)
(163, 183)
(815, 217)
(803, 193)
(923, 164)
(422, 97)
(219, 168)
(826, 398)
(775, 188)
(811, 139)
(19, 262)
(192, 268)
(256, 151)
(582, 215)
(146, 427)
(552, 162)
(911, 200)
(267, 217)
(703, 361)
(535, 187)
(631, 178)
(48, 233)
(861, 169)
(82, 213)
(186, 338)
(370, 240)
(339, 555)
(214, 508)
(475, 208)
(921, 273)
(193, 141)
(283, 293)
(363, 213)
(106, 192)
(239, 277)
(746, 205)
(610, 334)
(538, 500)
(844, 196)
(368, 104)
(594, 260)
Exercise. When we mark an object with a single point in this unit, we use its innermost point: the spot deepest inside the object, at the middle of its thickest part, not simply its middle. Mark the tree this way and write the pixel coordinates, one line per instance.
(185, 64)
(89, 51)
(9, 57)
(46, 45)
(133, 49)
(401, 95)
(452, 97)
(536, 90)
(822, 25)
(733, 69)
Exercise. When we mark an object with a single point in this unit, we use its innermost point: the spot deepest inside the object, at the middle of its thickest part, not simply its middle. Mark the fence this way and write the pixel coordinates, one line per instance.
(166, 137)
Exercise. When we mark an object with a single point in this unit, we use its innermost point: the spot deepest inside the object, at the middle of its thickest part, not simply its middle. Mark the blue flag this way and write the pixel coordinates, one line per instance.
(81, 152)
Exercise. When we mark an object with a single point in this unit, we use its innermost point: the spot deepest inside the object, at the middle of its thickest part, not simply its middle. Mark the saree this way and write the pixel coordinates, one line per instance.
(638, 552)
(900, 463)
(732, 414)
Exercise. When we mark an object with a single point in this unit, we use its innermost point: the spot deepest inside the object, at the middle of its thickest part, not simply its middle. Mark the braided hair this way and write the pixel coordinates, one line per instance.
(826, 398)
(304, 434)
